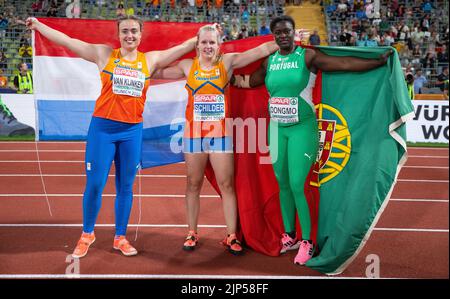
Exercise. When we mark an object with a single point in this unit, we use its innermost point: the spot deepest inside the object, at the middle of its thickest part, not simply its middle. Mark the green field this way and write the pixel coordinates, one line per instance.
(426, 144)
(17, 138)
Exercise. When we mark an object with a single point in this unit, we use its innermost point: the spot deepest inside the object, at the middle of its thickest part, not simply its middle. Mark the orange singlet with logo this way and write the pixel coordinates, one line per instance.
(124, 88)
(208, 104)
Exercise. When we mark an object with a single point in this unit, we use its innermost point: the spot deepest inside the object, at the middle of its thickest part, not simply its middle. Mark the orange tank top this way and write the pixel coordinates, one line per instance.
(208, 105)
(124, 88)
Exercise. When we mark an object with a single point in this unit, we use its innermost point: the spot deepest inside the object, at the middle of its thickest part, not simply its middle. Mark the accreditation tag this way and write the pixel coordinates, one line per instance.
(284, 110)
(209, 107)
(127, 81)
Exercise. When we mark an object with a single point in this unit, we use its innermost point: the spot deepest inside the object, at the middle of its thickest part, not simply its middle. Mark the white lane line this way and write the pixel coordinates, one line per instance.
(428, 157)
(418, 200)
(41, 151)
(427, 167)
(427, 148)
(42, 161)
(83, 175)
(39, 142)
(202, 196)
(423, 181)
(174, 176)
(20, 225)
(12, 151)
(171, 276)
(422, 230)
(59, 161)
(106, 195)
(110, 225)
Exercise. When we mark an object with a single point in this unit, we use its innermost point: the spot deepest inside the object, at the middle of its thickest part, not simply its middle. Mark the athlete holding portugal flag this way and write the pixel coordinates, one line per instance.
(293, 129)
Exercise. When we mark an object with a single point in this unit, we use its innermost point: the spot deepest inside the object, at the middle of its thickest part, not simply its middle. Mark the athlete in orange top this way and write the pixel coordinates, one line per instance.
(206, 135)
(115, 131)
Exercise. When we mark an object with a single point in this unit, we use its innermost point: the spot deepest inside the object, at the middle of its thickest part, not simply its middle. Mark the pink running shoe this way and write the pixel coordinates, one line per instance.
(305, 252)
(288, 243)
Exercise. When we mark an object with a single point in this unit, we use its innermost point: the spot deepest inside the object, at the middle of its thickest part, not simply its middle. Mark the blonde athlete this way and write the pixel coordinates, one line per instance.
(207, 134)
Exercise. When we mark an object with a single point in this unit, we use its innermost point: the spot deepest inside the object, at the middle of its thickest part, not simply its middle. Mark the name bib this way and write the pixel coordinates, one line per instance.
(209, 107)
(284, 110)
(128, 82)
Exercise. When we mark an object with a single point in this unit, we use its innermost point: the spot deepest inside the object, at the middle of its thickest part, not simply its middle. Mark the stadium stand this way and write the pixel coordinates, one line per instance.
(417, 29)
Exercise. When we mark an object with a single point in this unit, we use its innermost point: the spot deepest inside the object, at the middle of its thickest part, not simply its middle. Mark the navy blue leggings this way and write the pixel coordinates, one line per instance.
(110, 140)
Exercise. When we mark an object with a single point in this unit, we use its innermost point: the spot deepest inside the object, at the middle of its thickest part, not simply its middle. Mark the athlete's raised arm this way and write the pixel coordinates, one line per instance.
(96, 53)
(177, 71)
(257, 78)
(237, 60)
(161, 59)
(317, 60)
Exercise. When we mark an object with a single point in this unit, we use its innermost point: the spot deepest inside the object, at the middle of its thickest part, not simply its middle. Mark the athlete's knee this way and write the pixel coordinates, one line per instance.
(226, 185)
(94, 188)
(194, 184)
(297, 187)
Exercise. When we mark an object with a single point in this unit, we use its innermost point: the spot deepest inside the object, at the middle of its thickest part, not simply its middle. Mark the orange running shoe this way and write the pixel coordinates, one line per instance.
(191, 241)
(233, 244)
(122, 244)
(83, 245)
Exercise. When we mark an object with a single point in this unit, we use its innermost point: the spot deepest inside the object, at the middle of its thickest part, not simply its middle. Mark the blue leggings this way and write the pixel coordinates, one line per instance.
(110, 140)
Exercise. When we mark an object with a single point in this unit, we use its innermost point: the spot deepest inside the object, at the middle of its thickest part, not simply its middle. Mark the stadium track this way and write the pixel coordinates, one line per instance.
(410, 239)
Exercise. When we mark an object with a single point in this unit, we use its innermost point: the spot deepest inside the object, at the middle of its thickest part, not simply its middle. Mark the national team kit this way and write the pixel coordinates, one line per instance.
(115, 131)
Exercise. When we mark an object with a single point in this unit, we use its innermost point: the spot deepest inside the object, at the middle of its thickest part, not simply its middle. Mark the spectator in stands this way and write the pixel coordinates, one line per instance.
(73, 10)
(417, 54)
(26, 38)
(345, 36)
(3, 80)
(342, 10)
(234, 33)
(387, 39)
(368, 40)
(442, 55)
(410, 85)
(147, 11)
(369, 8)
(264, 30)
(53, 9)
(25, 50)
(403, 31)
(314, 38)
(37, 6)
(417, 35)
(3, 61)
(130, 11)
(442, 80)
(358, 5)
(3, 25)
(243, 33)
(23, 81)
(120, 11)
(253, 31)
(425, 23)
(419, 81)
(428, 61)
(427, 7)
